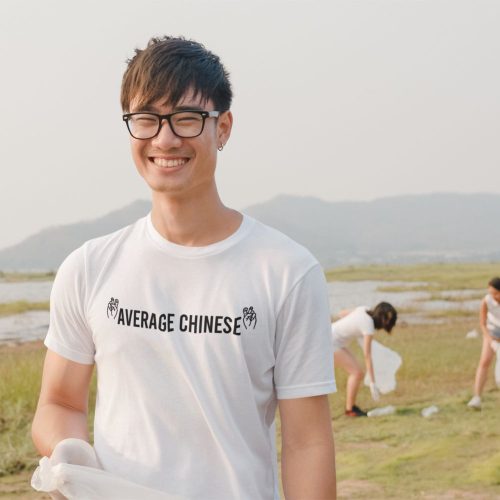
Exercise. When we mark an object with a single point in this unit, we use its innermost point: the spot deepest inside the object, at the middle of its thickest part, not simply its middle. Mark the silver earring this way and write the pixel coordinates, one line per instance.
(221, 147)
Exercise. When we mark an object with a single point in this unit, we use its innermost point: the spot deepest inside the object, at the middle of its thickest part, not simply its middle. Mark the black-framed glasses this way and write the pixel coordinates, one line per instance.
(185, 124)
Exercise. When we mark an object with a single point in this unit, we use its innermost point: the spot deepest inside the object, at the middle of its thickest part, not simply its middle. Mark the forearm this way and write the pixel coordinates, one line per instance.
(369, 368)
(309, 472)
(53, 423)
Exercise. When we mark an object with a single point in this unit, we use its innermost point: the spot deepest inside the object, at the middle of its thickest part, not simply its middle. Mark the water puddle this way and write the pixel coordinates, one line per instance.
(31, 291)
(350, 294)
(31, 325)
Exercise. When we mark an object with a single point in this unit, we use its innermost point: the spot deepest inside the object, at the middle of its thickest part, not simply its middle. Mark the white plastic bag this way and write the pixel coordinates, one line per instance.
(73, 472)
(86, 483)
(386, 363)
(497, 369)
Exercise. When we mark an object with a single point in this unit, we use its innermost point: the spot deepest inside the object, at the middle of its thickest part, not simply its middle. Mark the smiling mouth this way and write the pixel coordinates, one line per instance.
(169, 163)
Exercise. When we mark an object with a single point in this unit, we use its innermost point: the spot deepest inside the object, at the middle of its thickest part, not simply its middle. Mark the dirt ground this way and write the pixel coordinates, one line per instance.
(18, 488)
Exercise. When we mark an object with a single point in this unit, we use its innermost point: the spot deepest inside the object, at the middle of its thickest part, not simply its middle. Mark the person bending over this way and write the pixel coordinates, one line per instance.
(359, 323)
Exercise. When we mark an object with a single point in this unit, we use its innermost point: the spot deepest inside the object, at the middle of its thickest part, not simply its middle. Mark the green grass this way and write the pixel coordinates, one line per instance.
(21, 306)
(440, 276)
(398, 456)
(20, 376)
(19, 384)
(453, 298)
(18, 277)
(450, 313)
(403, 455)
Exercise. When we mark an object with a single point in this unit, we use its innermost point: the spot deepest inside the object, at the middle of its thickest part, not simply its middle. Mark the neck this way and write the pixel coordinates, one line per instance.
(194, 221)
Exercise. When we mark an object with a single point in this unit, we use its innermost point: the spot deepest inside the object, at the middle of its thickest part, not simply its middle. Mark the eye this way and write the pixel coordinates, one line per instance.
(187, 118)
(143, 119)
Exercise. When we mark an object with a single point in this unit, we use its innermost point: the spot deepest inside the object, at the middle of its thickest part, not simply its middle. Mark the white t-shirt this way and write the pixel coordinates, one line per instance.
(193, 347)
(493, 316)
(352, 326)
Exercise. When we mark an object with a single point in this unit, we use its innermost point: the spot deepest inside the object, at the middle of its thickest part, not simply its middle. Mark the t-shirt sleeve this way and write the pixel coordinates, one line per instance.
(303, 346)
(367, 325)
(69, 334)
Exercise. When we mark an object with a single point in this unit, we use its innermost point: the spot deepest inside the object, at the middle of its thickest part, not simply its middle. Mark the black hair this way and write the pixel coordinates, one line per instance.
(495, 283)
(384, 316)
(171, 66)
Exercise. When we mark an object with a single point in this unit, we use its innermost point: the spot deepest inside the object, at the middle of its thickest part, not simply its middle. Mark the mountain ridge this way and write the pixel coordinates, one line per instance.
(398, 229)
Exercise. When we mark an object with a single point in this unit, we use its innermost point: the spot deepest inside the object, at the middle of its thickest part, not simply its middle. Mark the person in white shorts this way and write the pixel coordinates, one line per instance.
(489, 319)
(200, 320)
(359, 323)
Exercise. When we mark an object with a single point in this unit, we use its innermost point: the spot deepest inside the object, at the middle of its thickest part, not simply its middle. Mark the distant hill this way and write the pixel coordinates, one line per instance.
(403, 229)
(46, 249)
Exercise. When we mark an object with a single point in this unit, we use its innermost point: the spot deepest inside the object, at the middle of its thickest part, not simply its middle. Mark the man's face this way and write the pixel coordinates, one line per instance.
(180, 166)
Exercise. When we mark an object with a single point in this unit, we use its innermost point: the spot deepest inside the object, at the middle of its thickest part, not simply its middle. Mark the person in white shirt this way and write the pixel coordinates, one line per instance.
(489, 320)
(201, 321)
(356, 324)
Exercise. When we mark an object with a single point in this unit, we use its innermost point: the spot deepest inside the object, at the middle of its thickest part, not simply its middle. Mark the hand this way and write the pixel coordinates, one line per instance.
(495, 345)
(374, 391)
(68, 451)
(74, 451)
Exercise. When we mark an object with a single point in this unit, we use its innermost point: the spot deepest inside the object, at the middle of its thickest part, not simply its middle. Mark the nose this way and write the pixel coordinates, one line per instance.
(166, 138)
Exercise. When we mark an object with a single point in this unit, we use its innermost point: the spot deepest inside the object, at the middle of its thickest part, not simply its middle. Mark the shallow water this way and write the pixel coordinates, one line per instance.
(343, 295)
(31, 325)
(350, 294)
(433, 305)
(31, 291)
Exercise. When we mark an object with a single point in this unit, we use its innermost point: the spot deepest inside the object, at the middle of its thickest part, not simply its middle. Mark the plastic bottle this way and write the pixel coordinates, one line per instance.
(380, 412)
(430, 410)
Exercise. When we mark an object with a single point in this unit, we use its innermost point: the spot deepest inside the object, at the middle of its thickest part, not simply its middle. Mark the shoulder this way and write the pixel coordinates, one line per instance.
(272, 244)
(99, 247)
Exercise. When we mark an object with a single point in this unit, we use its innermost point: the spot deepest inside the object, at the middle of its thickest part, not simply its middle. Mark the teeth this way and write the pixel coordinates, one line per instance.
(164, 163)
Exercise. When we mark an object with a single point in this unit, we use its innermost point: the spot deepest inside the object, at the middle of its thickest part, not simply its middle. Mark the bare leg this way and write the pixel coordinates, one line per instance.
(346, 360)
(482, 369)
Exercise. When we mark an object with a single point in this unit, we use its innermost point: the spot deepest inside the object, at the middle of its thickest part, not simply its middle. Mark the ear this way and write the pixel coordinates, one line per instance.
(224, 126)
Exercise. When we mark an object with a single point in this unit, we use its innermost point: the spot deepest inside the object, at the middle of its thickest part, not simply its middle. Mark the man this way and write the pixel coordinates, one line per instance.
(199, 319)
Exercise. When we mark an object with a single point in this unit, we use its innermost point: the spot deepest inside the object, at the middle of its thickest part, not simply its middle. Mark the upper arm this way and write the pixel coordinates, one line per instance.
(65, 382)
(305, 421)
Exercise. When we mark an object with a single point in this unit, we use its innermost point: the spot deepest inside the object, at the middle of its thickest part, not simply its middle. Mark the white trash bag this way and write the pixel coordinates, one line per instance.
(386, 363)
(83, 479)
(473, 334)
(497, 369)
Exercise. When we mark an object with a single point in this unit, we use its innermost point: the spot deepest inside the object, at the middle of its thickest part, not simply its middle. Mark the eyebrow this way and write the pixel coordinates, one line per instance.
(152, 109)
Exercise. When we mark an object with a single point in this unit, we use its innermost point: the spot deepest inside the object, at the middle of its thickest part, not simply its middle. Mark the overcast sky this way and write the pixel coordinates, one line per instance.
(342, 100)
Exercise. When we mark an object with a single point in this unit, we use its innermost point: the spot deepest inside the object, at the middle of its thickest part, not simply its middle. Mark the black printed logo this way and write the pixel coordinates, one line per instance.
(181, 323)
(112, 308)
(249, 317)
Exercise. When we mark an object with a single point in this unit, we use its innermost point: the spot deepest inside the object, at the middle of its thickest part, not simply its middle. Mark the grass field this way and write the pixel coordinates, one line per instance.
(439, 276)
(453, 454)
(18, 277)
(21, 306)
